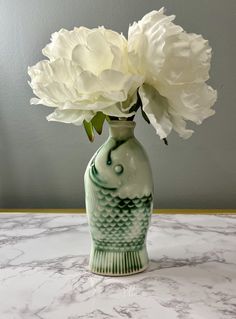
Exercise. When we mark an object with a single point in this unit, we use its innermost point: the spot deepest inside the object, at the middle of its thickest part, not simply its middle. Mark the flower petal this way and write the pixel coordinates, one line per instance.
(70, 116)
(64, 41)
(176, 64)
(55, 91)
(116, 110)
(87, 71)
(60, 70)
(89, 105)
(179, 125)
(156, 108)
(146, 40)
(118, 46)
(95, 56)
(187, 59)
(192, 102)
(118, 85)
(88, 83)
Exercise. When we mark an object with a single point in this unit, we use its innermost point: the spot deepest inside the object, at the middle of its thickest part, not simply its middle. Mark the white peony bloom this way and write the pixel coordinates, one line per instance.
(175, 66)
(87, 72)
(97, 70)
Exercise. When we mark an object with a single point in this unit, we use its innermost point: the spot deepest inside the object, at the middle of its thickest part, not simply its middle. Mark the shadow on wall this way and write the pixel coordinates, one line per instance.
(8, 168)
(20, 181)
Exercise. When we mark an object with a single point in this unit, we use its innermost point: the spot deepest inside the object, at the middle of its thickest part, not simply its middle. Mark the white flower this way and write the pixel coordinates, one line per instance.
(87, 72)
(97, 70)
(175, 65)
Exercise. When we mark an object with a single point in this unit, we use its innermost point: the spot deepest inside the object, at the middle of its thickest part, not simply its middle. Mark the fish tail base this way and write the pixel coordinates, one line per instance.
(118, 263)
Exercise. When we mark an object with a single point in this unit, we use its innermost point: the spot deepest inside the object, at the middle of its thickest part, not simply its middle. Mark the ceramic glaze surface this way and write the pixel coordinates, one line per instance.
(119, 196)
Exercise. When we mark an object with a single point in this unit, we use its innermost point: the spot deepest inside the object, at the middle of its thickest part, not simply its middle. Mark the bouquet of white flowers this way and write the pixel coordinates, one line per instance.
(93, 75)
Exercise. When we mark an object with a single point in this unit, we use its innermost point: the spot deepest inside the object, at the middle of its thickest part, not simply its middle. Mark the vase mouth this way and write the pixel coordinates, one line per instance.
(122, 123)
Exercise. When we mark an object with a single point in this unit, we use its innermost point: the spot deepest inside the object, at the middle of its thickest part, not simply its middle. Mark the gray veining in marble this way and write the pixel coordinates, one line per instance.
(44, 270)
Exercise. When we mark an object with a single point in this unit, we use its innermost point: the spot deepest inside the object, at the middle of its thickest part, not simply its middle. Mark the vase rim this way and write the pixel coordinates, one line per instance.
(123, 123)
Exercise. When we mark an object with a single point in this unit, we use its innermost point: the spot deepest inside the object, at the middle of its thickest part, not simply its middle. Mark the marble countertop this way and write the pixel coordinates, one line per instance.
(44, 274)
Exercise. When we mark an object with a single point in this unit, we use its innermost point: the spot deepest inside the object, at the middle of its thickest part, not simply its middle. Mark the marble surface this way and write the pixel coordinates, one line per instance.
(44, 274)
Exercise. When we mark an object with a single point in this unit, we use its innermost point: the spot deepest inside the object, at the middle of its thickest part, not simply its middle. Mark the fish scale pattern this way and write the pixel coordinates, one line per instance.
(119, 224)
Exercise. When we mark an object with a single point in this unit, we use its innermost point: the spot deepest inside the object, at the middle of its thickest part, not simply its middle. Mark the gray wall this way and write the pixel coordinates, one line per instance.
(42, 164)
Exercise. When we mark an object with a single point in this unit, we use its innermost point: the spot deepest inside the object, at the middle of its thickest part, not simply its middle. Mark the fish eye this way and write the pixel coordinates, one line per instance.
(119, 169)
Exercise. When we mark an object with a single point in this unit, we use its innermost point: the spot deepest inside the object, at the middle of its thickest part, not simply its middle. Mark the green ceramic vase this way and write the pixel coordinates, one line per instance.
(119, 201)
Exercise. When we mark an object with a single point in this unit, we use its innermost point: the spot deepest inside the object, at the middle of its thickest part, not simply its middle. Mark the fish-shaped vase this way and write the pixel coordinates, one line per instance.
(119, 202)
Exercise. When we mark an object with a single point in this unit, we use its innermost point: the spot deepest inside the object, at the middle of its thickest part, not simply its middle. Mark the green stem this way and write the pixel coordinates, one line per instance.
(165, 141)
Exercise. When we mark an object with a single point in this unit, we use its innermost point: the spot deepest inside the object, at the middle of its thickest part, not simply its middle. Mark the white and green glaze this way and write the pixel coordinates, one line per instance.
(119, 201)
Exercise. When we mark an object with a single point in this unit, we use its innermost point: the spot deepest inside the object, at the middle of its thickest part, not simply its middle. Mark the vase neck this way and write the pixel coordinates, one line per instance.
(121, 129)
